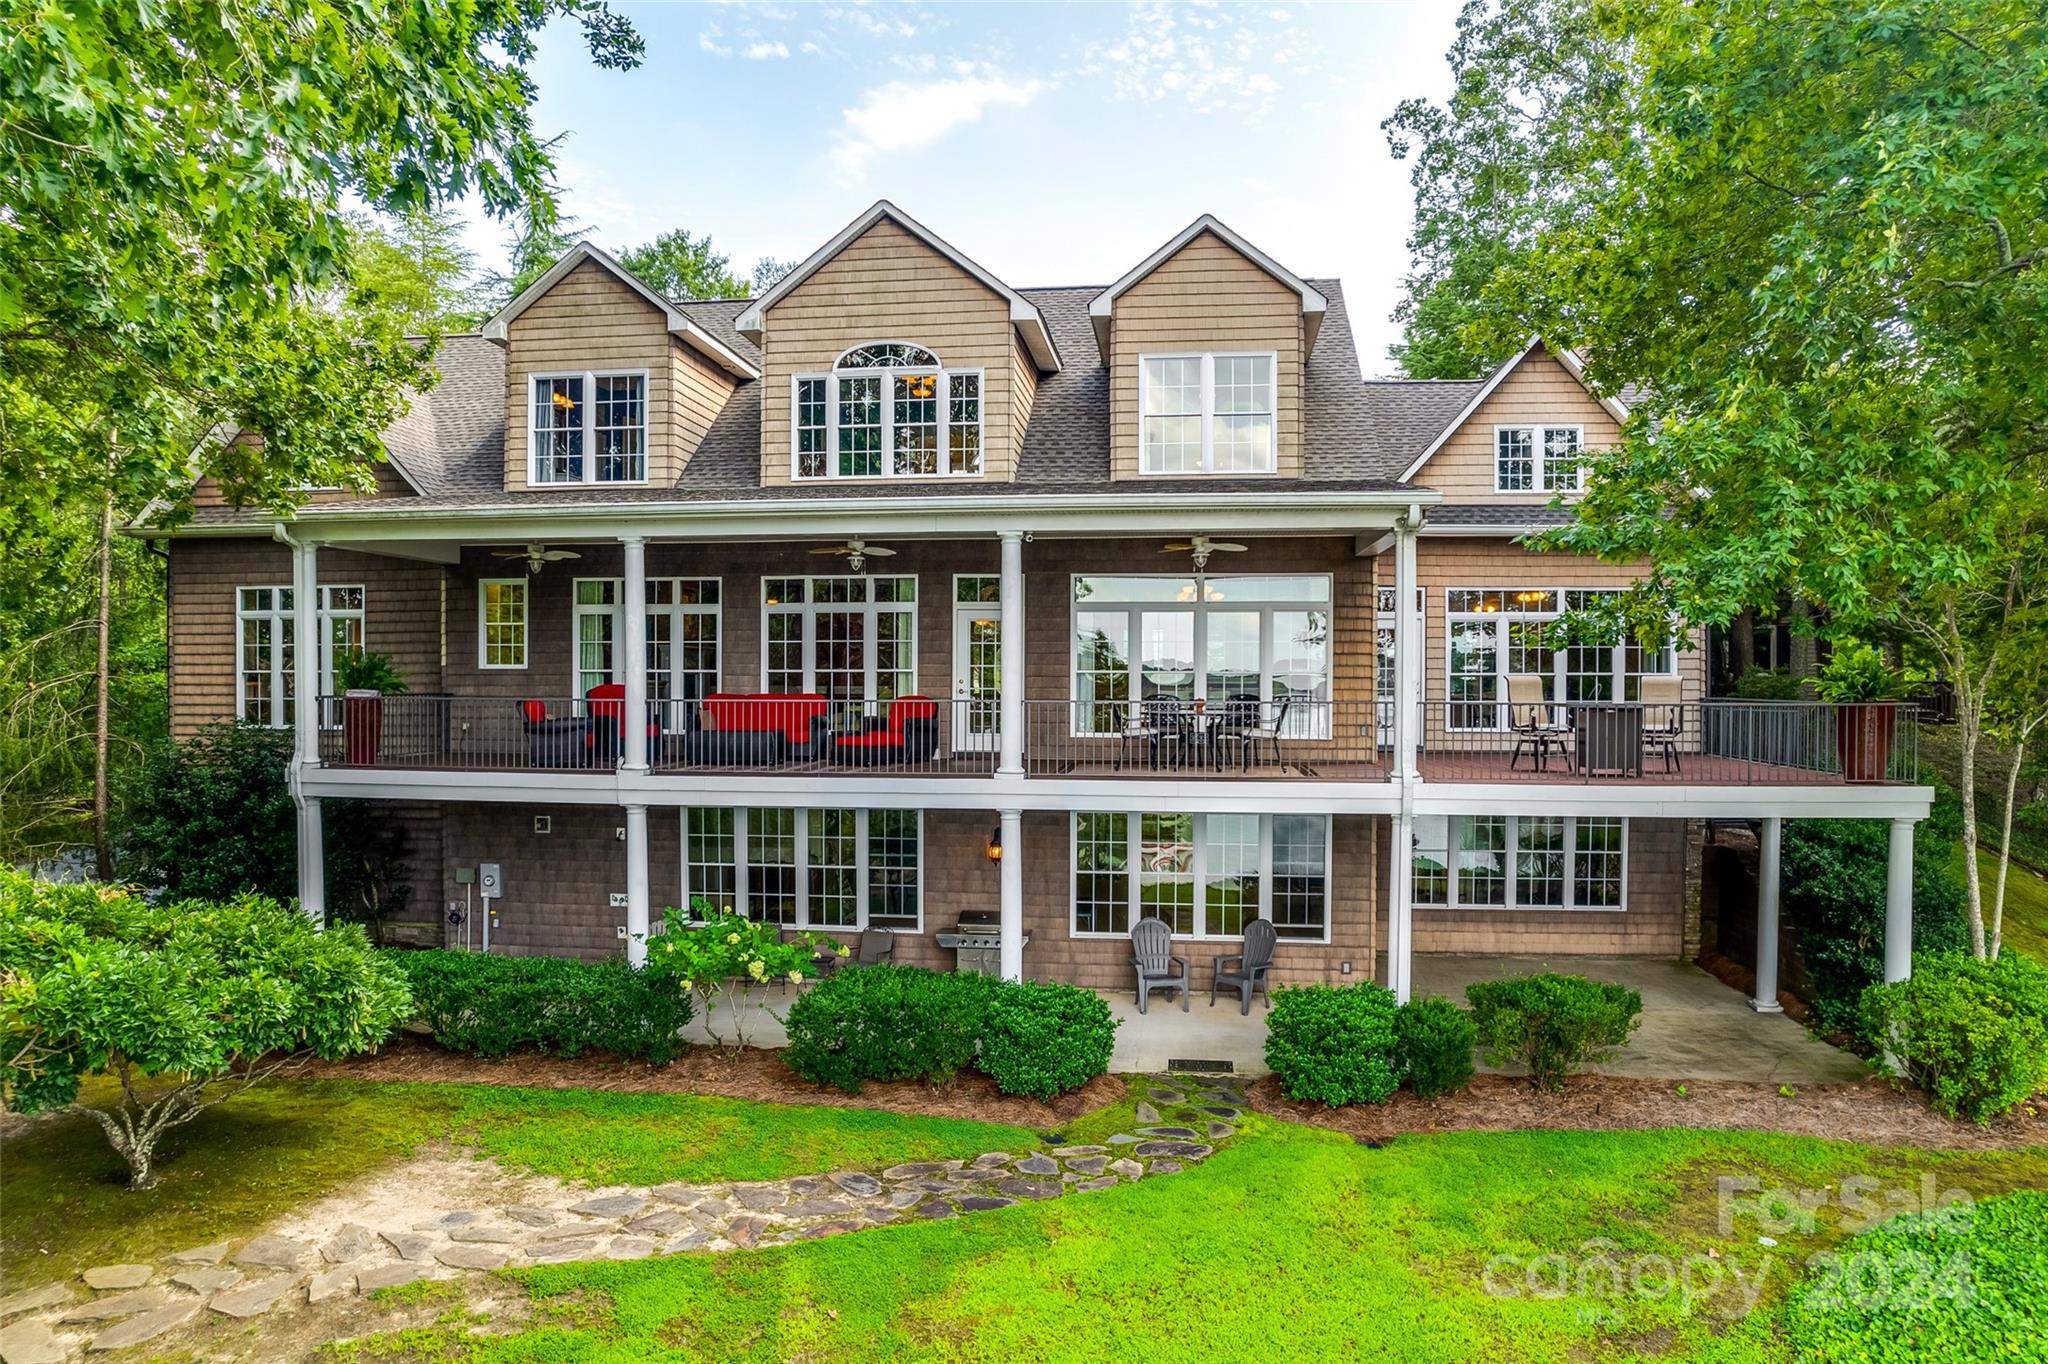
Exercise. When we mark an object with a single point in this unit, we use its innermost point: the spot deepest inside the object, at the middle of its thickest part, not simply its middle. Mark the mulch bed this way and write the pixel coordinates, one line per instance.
(1872, 1111)
(750, 1074)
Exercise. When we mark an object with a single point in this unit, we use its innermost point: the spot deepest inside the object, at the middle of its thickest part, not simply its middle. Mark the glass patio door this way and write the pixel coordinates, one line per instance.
(977, 677)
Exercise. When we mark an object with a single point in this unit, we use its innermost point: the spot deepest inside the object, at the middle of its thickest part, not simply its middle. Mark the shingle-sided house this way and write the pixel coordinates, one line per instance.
(900, 594)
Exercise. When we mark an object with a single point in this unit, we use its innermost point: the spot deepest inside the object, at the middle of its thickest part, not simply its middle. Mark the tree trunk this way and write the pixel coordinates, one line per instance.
(1969, 731)
(2012, 784)
(1742, 642)
(1805, 648)
(102, 844)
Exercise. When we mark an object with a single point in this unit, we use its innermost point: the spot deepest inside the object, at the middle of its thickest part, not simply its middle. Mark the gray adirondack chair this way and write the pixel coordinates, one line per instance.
(1245, 971)
(1152, 957)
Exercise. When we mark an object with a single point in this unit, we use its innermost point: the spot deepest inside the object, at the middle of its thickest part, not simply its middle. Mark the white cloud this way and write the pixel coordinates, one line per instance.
(761, 52)
(1212, 57)
(905, 115)
(707, 41)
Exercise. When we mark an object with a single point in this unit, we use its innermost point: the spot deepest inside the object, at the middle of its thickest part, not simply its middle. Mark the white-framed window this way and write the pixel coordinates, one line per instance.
(501, 623)
(852, 639)
(1139, 638)
(827, 869)
(1493, 632)
(1566, 862)
(683, 638)
(265, 623)
(1538, 459)
(588, 426)
(1207, 876)
(888, 409)
(1211, 413)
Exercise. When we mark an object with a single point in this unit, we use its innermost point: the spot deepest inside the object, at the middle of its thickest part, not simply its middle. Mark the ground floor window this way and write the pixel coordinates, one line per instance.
(824, 869)
(1520, 861)
(265, 621)
(1207, 876)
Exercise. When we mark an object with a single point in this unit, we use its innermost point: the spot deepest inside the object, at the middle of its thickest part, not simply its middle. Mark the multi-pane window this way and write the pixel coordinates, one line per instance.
(836, 870)
(682, 639)
(588, 428)
(853, 639)
(501, 628)
(1207, 414)
(1250, 639)
(1519, 861)
(1496, 633)
(1206, 876)
(887, 410)
(1538, 459)
(265, 625)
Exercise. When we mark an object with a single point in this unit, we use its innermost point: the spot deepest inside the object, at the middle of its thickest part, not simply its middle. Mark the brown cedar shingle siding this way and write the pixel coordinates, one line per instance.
(1538, 390)
(1206, 297)
(402, 617)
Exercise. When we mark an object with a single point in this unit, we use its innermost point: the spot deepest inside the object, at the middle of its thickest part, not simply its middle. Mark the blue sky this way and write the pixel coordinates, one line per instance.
(1055, 144)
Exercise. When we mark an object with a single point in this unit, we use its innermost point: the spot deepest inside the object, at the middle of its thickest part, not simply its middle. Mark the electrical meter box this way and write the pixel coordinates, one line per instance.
(490, 880)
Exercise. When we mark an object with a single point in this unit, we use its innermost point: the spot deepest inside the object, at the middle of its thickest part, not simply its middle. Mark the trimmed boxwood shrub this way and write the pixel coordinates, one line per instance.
(1552, 1024)
(1043, 1039)
(1433, 1042)
(886, 1023)
(1333, 1044)
(492, 1005)
(1972, 1034)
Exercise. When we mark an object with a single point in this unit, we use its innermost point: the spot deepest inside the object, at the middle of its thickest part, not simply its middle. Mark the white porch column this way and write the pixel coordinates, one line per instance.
(1011, 874)
(633, 753)
(1401, 908)
(1011, 716)
(1898, 903)
(1407, 654)
(636, 884)
(312, 862)
(1767, 877)
(306, 647)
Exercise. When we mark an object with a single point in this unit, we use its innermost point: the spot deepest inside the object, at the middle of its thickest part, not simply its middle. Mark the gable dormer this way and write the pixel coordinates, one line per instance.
(607, 383)
(1523, 436)
(888, 355)
(1206, 341)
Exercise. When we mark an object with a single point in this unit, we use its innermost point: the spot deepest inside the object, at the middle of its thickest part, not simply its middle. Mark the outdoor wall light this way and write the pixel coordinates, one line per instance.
(995, 844)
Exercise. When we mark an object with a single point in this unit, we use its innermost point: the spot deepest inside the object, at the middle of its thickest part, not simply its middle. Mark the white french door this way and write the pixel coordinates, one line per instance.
(977, 677)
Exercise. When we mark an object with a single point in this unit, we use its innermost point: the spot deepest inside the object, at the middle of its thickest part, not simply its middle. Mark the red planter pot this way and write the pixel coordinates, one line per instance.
(362, 726)
(1864, 734)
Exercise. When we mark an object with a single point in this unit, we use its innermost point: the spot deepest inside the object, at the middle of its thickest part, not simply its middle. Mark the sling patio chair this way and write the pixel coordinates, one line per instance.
(1534, 722)
(1663, 719)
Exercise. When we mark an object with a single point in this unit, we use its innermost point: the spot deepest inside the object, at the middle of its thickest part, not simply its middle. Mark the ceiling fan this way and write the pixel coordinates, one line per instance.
(856, 552)
(537, 556)
(1201, 546)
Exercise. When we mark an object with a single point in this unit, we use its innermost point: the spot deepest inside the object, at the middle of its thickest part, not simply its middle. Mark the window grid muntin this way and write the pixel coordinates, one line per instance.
(597, 434)
(869, 419)
(850, 637)
(266, 672)
(684, 634)
(1587, 673)
(1539, 458)
(501, 605)
(1208, 412)
(1588, 853)
(1109, 876)
(826, 868)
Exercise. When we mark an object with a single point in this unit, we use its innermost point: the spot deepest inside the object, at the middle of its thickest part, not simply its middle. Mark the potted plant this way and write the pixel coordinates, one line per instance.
(1865, 695)
(365, 680)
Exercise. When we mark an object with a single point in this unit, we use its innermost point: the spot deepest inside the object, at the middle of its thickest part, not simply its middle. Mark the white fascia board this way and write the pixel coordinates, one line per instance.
(497, 329)
(1102, 307)
(1573, 366)
(1024, 314)
(1182, 514)
(1645, 800)
(1431, 530)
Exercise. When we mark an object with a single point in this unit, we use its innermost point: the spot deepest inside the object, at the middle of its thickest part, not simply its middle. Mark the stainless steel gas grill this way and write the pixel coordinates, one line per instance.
(977, 941)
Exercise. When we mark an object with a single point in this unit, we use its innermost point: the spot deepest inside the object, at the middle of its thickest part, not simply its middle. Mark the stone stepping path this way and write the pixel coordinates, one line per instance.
(117, 1306)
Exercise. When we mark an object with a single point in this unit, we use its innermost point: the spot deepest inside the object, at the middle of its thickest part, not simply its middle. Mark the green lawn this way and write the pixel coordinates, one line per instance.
(63, 1206)
(1293, 1243)
(2026, 906)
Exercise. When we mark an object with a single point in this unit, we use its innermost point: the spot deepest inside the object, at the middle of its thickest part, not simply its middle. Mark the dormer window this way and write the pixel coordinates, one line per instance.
(887, 410)
(1538, 459)
(589, 427)
(1207, 414)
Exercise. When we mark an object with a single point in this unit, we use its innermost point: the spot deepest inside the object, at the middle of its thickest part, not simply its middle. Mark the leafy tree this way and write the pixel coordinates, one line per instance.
(1536, 97)
(186, 1004)
(212, 818)
(682, 267)
(1814, 233)
(369, 864)
(414, 266)
(540, 242)
(768, 272)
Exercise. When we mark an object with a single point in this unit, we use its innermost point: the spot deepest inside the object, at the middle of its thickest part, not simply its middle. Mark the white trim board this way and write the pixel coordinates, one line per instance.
(1656, 800)
(1101, 308)
(498, 328)
(1024, 315)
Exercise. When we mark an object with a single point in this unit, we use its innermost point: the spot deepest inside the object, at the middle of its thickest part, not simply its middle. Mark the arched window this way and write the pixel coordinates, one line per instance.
(888, 409)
